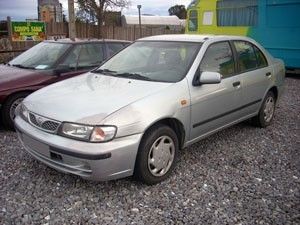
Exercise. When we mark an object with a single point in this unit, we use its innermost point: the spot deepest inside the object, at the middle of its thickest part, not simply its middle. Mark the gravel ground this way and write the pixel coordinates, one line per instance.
(242, 175)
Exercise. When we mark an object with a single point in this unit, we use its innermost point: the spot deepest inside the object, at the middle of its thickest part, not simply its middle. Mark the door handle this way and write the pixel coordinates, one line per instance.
(237, 83)
(268, 74)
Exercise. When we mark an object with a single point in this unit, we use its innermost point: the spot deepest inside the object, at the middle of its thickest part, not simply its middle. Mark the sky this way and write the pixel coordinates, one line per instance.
(20, 10)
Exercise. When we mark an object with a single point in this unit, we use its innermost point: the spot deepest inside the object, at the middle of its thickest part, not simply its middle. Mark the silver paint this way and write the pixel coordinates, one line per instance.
(135, 105)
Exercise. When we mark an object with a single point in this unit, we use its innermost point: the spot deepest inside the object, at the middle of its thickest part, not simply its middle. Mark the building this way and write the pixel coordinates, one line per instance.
(272, 23)
(149, 21)
(50, 10)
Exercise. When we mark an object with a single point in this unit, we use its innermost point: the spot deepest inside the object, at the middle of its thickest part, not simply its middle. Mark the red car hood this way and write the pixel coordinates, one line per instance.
(13, 77)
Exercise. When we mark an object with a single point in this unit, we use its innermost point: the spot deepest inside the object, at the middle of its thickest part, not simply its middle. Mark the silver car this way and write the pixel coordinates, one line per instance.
(131, 115)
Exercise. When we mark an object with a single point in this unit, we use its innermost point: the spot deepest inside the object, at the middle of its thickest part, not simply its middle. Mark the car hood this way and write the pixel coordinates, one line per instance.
(13, 77)
(89, 98)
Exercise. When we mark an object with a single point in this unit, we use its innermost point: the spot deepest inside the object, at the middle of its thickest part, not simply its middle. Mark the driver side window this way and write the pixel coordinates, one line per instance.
(72, 58)
(84, 56)
(218, 58)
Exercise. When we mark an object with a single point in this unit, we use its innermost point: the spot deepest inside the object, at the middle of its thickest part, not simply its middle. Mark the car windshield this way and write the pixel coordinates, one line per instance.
(41, 57)
(152, 60)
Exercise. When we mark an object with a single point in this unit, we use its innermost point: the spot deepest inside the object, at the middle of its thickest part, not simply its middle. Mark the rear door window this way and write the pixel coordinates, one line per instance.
(246, 57)
(261, 59)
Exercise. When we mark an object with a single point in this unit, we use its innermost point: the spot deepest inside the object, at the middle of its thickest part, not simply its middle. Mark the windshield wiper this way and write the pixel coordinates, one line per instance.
(21, 66)
(133, 76)
(104, 71)
(126, 75)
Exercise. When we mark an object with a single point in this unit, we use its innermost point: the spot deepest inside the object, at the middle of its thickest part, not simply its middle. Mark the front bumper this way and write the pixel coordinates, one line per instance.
(94, 161)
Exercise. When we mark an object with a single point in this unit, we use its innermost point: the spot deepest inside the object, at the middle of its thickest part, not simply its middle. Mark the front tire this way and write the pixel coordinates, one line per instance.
(9, 107)
(266, 112)
(157, 155)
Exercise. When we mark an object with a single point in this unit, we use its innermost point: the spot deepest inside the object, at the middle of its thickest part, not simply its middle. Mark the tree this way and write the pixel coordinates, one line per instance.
(178, 10)
(85, 15)
(64, 18)
(93, 11)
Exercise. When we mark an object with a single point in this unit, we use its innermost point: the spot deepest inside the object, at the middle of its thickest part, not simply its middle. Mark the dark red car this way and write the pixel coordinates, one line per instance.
(47, 63)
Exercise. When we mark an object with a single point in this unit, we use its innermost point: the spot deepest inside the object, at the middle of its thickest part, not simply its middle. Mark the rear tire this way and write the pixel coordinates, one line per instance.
(157, 155)
(9, 107)
(266, 112)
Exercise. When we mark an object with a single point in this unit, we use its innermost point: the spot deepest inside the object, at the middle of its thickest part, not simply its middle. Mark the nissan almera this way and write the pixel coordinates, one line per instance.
(131, 115)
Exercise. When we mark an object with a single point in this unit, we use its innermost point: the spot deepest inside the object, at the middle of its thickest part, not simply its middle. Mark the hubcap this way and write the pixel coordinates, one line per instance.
(161, 156)
(269, 109)
(13, 107)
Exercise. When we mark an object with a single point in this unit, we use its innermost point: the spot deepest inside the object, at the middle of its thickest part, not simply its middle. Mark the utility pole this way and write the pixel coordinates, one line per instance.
(9, 28)
(140, 22)
(72, 28)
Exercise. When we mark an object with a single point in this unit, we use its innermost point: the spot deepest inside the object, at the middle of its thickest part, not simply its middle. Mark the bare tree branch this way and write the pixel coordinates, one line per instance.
(93, 11)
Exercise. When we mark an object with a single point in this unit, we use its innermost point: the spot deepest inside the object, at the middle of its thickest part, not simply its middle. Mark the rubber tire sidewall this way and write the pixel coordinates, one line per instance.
(5, 111)
(259, 120)
(141, 171)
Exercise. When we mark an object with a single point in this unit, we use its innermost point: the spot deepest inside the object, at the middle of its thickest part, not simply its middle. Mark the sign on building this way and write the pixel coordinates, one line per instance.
(28, 31)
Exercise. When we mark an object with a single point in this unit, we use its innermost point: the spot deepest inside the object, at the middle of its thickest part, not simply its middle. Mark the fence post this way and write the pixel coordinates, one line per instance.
(72, 26)
(86, 29)
(9, 28)
(46, 30)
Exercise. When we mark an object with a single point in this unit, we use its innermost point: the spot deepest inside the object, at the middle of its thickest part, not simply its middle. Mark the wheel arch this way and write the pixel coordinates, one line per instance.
(6, 107)
(174, 124)
(15, 93)
(274, 89)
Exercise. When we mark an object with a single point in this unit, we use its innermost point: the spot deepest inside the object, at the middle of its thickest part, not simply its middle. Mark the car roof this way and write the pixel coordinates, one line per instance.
(85, 40)
(192, 37)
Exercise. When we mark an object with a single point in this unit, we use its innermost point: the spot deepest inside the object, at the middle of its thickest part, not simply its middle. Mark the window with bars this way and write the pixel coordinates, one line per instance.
(237, 13)
(193, 20)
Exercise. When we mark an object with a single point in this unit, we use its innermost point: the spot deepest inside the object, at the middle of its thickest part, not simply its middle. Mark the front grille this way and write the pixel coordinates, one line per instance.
(43, 123)
(33, 119)
(50, 125)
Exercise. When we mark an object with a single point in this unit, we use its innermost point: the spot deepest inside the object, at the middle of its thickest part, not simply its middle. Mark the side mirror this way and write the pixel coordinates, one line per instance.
(61, 69)
(210, 78)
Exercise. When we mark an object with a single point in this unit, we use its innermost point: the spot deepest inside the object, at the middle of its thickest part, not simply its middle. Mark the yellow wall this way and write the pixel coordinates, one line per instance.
(210, 5)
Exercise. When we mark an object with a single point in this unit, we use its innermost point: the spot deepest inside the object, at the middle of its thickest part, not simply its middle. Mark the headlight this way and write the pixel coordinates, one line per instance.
(24, 112)
(87, 132)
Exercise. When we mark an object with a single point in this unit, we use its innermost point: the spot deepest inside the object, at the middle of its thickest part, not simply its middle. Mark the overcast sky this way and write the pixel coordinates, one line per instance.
(23, 9)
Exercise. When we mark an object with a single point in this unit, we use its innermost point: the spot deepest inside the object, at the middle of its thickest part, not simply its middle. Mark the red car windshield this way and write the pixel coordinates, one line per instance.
(41, 57)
